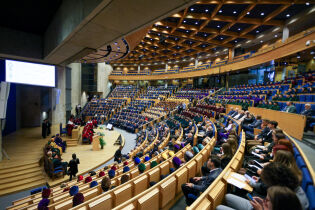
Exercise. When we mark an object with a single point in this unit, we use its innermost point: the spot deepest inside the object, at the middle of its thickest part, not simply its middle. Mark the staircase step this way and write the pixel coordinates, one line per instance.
(18, 168)
(21, 172)
(16, 177)
(21, 182)
(6, 164)
(26, 186)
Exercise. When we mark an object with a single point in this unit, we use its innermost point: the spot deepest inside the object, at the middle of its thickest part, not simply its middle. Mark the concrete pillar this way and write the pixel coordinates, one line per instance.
(103, 84)
(196, 63)
(59, 97)
(285, 33)
(75, 85)
(231, 53)
(166, 67)
(139, 69)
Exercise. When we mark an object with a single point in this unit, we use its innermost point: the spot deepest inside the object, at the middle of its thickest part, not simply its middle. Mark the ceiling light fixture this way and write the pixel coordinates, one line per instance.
(239, 29)
(187, 31)
(276, 35)
(206, 10)
(220, 11)
(257, 31)
(234, 12)
(184, 21)
(196, 22)
(261, 41)
(218, 26)
(192, 9)
(288, 15)
(262, 14)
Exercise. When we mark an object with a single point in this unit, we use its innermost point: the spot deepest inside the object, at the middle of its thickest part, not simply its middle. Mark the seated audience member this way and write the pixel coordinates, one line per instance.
(78, 199)
(141, 168)
(43, 204)
(278, 197)
(102, 173)
(93, 184)
(88, 179)
(290, 108)
(111, 174)
(199, 184)
(255, 124)
(176, 162)
(309, 113)
(265, 130)
(286, 158)
(227, 154)
(273, 174)
(153, 164)
(124, 178)
(73, 190)
(60, 143)
(105, 184)
(231, 111)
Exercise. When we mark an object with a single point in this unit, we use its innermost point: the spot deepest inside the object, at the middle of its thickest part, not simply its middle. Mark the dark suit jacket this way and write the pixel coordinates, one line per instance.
(256, 124)
(263, 133)
(206, 181)
(308, 113)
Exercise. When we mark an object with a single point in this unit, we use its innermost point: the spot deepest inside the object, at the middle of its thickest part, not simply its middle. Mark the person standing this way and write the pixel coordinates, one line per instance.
(118, 155)
(73, 166)
(44, 129)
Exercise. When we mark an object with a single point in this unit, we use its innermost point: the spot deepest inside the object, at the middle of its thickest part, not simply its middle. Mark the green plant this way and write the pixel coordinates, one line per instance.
(102, 143)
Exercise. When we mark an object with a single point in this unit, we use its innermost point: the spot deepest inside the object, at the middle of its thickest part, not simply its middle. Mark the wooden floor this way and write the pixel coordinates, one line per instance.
(24, 148)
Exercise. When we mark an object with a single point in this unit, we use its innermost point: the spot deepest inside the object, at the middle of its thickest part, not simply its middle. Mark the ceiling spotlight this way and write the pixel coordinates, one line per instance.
(184, 21)
(206, 10)
(167, 27)
(276, 35)
(159, 34)
(218, 26)
(221, 38)
(312, 52)
(234, 12)
(196, 22)
(187, 31)
(262, 14)
(239, 29)
(298, 56)
(235, 41)
(288, 15)
(192, 9)
(257, 31)
(307, 3)
(261, 41)
(116, 43)
(151, 39)
(248, 13)
(220, 11)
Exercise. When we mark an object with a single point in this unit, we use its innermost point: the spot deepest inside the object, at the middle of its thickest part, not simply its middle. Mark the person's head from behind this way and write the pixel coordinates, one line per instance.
(278, 174)
(281, 198)
(272, 124)
(78, 199)
(286, 158)
(258, 117)
(74, 156)
(124, 179)
(105, 184)
(289, 103)
(214, 162)
(277, 136)
(227, 150)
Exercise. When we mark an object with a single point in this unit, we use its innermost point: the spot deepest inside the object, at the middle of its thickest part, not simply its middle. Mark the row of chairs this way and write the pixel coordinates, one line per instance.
(214, 195)
(35, 198)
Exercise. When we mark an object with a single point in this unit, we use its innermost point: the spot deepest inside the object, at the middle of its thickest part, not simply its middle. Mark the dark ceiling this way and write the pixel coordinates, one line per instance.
(209, 24)
(31, 16)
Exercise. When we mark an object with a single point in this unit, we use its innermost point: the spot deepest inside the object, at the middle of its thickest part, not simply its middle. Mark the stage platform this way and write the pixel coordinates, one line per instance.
(24, 148)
